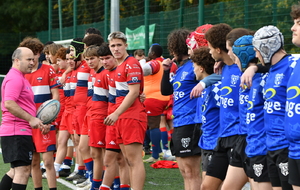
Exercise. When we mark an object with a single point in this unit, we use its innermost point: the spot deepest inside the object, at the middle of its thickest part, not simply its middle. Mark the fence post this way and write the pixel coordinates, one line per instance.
(146, 19)
(106, 19)
(60, 19)
(49, 19)
(181, 12)
(221, 12)
(201, 12)
(274, 12)
(74, 18)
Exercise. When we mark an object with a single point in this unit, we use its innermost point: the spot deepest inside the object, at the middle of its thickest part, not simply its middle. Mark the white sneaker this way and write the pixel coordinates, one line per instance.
(85, 183)
(168, 156)
(86, 187)
(63, 166)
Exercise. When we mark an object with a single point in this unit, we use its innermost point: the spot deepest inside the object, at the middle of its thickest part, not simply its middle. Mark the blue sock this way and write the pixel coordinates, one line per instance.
(155, 136)
(147, 139)
(81, 170)
(116, 185)
(89, 164)
(68, 161)
(164, 139)
(125, 187)
(96, 184)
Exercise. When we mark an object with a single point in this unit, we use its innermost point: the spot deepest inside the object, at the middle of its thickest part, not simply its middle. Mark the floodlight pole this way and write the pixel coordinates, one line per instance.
(115, 16)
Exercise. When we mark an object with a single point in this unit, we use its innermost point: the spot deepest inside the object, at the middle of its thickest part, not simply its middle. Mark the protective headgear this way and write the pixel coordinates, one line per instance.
(268, 40)
(244, 50)
(78, 46)
(191, 42)
(200, 35)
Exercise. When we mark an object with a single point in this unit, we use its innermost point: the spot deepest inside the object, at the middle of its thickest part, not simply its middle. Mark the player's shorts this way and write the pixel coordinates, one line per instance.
(86, 125)
(278, 166)
(66, 123)
(238, 155)
(97, 131)
(17, 150)
(80, 112)
(111, 138)
(221, 156)
(184, 141)
(206, 156)
(294, 170)
(130, 131)
(259, 169)
(44, 143)
(155, 107)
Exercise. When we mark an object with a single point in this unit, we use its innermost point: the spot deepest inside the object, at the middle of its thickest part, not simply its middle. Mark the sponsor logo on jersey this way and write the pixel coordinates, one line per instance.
(183, 75)
(134, 79)
(278, 79)
(234, 79)
(258, 168)
(39, 79)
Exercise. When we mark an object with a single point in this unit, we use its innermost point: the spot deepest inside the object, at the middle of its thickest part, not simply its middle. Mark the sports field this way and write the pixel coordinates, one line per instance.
(158, 179)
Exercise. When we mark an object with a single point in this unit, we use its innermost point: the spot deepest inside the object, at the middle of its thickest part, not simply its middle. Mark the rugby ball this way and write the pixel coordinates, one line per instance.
(48, 111)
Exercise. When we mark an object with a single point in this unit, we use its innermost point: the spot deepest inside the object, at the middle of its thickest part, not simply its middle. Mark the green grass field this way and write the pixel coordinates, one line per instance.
(156, 179)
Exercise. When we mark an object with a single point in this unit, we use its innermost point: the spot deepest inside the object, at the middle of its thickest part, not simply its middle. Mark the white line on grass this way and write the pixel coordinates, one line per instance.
(67, 184)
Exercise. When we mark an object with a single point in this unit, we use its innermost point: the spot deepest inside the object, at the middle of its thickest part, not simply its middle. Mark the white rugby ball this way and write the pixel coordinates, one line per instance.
(48, 111)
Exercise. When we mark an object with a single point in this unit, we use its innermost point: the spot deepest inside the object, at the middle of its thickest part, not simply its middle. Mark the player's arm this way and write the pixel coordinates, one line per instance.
(64, 75)
(17, 111)
(207, 81)
(55, 93)
(165, 85)
(133, 93)
(150, 68)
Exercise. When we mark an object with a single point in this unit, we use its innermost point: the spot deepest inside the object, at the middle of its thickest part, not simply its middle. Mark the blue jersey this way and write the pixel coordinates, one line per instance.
(243, 106)
(256, 137)
(229, 108)
(274, 106)
(292, 115)
(198, 116)
(210, 111)
(184, 109)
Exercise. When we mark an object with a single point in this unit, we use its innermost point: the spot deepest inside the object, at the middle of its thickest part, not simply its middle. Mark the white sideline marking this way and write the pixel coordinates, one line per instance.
(65, 183)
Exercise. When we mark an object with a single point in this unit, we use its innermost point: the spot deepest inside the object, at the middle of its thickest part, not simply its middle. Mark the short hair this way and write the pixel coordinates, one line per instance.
(53, 48)
(91, 51)
(216, 36)
(157, 50)
(93, 39)
(117, 35)
(139, 52)
(203, 58)
(34, 44)
(295, 13)
(61, 53)
(104, 50)
(16, 54)
(176, 43)
(92, 30)
(235, 34)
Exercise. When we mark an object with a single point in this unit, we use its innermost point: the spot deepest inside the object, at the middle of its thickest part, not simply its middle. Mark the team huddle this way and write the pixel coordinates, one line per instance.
(234, 95)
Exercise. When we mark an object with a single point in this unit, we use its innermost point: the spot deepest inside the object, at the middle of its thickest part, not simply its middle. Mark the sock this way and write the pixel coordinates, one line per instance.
(38, 188)
(155, 136)
(68, 161)
(56, 166)
(164, 138)
(76, 167)
(147, 139)
(54, 188)
(81, 170)
(116, 183)
(96, 183)
(6, 182)
(104, 187)
(125, 187)
(89, 164)
(16, 186)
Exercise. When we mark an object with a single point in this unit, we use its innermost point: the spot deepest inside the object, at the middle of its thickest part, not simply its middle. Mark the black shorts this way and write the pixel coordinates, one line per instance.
(185, 140)
(206, 158)
(259, 169)
(17, 150)
(238, 156)
(294, 170)
(278, 166)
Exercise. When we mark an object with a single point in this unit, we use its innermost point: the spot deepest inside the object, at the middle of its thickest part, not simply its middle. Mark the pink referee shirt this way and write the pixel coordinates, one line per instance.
(15, 87)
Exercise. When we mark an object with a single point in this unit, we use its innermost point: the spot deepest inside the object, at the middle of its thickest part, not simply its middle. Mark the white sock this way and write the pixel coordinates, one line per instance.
(76, 168)
(56, 166)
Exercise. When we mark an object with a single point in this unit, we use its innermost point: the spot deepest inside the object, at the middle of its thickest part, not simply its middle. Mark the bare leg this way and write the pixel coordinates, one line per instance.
(235, 178)
(50, 171)
(36, 171)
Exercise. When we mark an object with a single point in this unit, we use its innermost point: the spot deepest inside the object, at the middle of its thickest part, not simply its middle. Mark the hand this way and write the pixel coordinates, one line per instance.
(142, 97)
(197, 91)
(218, 67)
(167, 64)
(111, 119)
(35, 123)
(45, 129)
(63, 79)
(246, 78)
